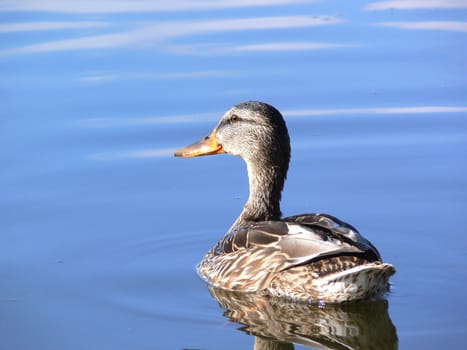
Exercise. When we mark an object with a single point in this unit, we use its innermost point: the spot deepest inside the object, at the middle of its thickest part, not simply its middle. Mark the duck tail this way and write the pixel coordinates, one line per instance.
(365, 281)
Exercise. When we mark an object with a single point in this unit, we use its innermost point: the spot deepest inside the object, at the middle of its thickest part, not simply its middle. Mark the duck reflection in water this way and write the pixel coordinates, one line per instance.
(277, 323)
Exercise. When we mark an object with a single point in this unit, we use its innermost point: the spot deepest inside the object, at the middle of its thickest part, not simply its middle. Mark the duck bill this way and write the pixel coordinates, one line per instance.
(204, 147)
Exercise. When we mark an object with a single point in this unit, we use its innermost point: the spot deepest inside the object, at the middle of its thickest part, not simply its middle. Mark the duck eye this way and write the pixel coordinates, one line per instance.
(234, 118)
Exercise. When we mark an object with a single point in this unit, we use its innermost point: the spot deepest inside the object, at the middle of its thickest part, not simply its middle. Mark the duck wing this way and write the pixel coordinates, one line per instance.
(254, 253)
(339, 230)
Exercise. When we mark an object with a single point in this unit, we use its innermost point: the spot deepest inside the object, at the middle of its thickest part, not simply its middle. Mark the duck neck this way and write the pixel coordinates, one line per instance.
(266, 184)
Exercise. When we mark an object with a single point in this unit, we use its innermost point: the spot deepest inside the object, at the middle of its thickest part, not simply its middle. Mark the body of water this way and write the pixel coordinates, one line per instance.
(101, 227)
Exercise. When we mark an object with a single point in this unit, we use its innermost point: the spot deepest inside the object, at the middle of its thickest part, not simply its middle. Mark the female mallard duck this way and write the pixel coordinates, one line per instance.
(309, 257)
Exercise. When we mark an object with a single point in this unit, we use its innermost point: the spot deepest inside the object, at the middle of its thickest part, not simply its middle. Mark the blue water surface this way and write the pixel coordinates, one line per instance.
(101, 227)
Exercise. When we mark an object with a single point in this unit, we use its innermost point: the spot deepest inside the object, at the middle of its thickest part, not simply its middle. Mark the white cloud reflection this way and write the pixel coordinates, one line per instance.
(375, 111)
(144, 153)
(102, 77)
(40, 26)
(154, 34)
(433, 25)
(415, 4)
(98, 78)
(222, 49)
(290, 46)
(122, 6)
(98, 123)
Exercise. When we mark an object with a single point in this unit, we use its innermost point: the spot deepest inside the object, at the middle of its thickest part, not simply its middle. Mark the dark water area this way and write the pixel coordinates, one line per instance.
(101, 228)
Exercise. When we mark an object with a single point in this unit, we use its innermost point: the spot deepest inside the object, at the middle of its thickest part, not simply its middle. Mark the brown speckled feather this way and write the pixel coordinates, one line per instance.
(289, 255)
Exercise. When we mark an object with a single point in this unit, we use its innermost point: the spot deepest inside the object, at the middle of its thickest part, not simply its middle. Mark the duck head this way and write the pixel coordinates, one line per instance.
(252, 130)
(256, 132)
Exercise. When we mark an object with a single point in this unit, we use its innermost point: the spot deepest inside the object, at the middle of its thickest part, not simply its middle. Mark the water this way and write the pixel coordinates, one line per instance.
(101, 228)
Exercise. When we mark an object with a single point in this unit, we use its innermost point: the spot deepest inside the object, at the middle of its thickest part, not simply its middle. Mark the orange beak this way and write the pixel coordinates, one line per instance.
(207, 146)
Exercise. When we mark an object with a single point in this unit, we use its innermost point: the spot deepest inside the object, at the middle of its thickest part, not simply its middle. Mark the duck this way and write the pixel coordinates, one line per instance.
(311, 257)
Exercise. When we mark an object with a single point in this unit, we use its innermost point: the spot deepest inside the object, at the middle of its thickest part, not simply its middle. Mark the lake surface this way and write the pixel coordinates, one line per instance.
(101, 227)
